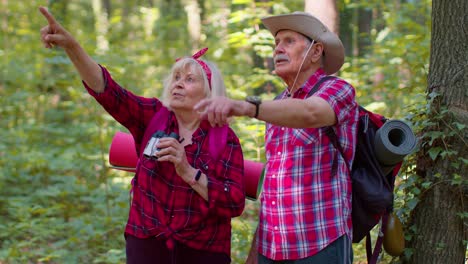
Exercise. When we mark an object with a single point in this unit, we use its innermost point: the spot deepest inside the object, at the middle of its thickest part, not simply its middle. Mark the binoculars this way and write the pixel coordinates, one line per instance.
(151, 149)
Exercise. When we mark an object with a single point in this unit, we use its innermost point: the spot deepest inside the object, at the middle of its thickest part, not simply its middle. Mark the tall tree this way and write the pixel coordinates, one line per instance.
(439, 220)
(326, 11)
(102, 25)
(193, 10)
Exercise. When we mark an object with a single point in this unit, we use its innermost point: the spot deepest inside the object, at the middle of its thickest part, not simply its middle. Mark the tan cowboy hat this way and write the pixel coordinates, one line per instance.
(313, 28)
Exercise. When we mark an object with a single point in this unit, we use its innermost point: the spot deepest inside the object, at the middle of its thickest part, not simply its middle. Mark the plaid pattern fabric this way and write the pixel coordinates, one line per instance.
(163, 204)
(305, 206)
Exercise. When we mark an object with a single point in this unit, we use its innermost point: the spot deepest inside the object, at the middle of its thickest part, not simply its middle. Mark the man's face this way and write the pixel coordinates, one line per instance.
(289, 52)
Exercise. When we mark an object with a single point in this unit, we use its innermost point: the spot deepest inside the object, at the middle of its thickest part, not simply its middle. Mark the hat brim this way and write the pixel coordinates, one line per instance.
(311, 27)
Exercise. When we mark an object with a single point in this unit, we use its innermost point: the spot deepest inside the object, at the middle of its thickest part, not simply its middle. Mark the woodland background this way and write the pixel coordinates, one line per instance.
(60, 202)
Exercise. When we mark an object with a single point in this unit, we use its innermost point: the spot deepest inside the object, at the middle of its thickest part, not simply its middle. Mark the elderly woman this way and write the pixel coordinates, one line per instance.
(183, 197)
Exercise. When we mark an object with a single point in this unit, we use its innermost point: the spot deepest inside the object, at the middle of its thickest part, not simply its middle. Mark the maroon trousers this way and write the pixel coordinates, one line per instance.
(154, 251)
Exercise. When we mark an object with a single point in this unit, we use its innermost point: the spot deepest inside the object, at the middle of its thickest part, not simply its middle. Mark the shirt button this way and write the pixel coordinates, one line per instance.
(276, 228)
(279, 153)
(274, 176)
(282, 128)
(273, 203)
(172, 216)
(206, 167)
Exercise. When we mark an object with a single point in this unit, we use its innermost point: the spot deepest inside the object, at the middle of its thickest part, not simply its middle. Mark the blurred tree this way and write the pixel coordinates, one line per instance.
(326, 11)
(193, 10)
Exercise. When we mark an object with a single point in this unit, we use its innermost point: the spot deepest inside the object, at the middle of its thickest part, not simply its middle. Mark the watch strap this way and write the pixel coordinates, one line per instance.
(257, 106)
(255, 100)
(196, 178)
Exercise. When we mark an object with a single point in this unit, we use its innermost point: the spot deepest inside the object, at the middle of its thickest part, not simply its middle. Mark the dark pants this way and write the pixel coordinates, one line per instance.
(154, 250)
(338, 252)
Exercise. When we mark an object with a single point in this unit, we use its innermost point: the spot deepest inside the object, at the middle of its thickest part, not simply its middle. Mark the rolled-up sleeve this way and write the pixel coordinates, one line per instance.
(341, 97)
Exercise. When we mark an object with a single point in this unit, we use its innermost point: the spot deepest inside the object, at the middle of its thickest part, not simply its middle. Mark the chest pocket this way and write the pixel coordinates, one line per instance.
(205, 162)
(304, 136)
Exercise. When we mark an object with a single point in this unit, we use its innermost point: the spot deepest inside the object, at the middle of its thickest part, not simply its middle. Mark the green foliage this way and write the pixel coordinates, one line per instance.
(59, 202)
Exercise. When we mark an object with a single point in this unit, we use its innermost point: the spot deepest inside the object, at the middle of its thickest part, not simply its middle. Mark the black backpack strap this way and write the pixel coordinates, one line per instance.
(319, 83)
(334, 140)
(314, 88)
(328, 130)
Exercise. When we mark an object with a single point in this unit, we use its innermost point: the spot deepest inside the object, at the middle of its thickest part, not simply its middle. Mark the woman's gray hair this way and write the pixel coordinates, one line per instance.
(218, 87)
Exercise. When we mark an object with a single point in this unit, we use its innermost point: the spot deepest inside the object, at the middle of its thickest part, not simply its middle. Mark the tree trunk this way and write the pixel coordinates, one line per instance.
(326, 11)
(4, 26)
(108, 7)
(193, 11)
(102, 26)
(440, 228)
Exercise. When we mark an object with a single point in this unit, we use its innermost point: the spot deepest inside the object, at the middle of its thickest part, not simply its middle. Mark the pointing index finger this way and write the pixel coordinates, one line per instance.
(200, 105)
(50, 18)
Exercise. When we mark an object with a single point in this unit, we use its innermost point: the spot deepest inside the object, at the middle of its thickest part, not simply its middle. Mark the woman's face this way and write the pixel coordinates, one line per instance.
(186, 89)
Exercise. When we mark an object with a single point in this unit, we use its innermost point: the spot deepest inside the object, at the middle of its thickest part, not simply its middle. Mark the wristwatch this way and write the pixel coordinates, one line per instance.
(255, 100)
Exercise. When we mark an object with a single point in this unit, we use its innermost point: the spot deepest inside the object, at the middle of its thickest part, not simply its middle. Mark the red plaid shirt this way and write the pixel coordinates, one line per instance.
(163, 204)
(304, 207)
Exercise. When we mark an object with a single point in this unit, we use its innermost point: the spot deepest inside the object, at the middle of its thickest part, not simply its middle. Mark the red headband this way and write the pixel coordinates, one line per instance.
(205, 67)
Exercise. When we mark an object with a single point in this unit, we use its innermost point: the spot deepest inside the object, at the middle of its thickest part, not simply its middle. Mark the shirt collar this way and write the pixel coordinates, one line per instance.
(307, 86)
(203, 128)
(313, 79)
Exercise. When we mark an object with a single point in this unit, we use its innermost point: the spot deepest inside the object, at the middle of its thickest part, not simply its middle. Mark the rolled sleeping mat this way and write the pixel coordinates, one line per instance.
(254, 173)
(122, 152)
(393, 141)
(122, 156)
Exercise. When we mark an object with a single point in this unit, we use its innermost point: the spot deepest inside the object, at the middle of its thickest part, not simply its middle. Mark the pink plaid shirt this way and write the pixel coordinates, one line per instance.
(304, 206)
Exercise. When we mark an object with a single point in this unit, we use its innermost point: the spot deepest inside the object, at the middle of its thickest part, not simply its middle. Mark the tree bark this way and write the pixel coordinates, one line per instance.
(441, 232)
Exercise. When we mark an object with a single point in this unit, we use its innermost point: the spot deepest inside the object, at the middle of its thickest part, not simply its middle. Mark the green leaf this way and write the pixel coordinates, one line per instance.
(426, 185)
(412, 203)
(457, 179)
(434, 152)
(460, 126)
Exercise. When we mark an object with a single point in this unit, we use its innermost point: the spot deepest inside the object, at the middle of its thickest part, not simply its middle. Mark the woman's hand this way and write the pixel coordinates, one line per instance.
(54, 34)
(173, 151)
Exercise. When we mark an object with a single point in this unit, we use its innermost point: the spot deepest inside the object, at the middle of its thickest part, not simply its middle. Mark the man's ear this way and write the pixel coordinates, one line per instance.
(316, 52)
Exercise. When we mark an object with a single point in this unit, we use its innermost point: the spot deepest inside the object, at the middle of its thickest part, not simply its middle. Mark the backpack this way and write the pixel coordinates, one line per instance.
(372, 181)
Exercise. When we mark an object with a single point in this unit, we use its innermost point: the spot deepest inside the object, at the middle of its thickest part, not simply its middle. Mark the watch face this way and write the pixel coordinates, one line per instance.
(253, 99)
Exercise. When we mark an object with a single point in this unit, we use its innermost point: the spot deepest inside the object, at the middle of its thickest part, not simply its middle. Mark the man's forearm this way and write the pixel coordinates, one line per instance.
(297, 113)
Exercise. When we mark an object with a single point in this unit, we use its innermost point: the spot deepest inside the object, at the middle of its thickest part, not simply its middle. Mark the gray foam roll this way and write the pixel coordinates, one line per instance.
(393, 141)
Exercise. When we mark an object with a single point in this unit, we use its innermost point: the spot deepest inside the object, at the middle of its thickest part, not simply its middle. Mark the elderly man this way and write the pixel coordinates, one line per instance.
(305, 214)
